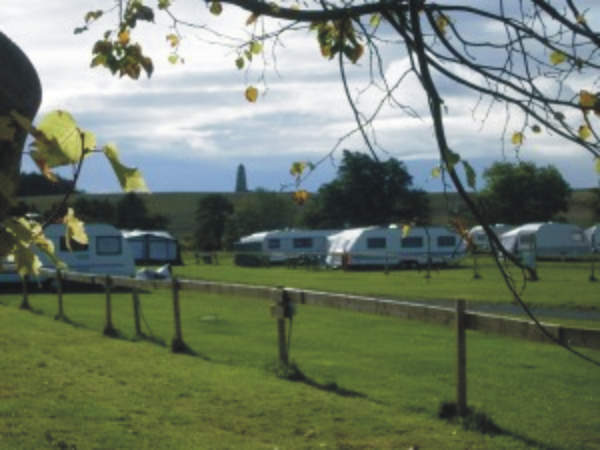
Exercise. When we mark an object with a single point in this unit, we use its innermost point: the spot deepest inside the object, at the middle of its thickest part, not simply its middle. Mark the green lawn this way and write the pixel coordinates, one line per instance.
(561, 284)
(371, 382)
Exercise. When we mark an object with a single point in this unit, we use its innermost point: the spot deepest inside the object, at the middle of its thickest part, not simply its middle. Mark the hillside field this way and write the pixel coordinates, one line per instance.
(180, 207)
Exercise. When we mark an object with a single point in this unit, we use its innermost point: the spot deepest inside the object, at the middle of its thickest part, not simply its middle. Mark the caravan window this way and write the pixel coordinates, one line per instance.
(577, 236)
(376, 242)
(412, 242)
(273, 243)
(527, 239)
(446, 241)
(108, 245)
(303, 242)
(75, 246)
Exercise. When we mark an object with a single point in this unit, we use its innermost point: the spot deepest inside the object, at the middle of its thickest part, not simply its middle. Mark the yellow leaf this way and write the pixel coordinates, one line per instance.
(173, 58)
(442, 22)
(26, 261)
(436, 172)
(406, 230)
(124, 37)
(255, 47)
(251, 19)
(58, 140)
(557, 57)
(587, 100)
(7, 128)
(300, 197)
(251, 94)
(598, 165)
(517, 138)
(375, 20)
(216, 8)
(580, 19)
(130, 179)
(173, 39)
(584, 132)
(297, 168)
(74, 229)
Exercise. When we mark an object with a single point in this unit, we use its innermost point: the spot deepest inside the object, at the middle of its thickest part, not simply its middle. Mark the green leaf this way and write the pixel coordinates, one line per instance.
(255, 47)
(61, 143)
(130, 179)
(406, 230)
(452, 158)
(557, 57)
(216, 8)
(436, 172)
(164, 4)
(239, 63)
(297, 168)
(598, 165)
(375, 20)
(470, 173)
(173, 58)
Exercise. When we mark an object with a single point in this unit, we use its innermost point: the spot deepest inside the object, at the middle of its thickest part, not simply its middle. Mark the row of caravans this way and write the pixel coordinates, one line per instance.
(109, 251)
(356, 247)
(547, 240)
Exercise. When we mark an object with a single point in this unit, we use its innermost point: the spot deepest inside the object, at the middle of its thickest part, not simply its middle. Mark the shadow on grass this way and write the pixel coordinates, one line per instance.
(480, 422)
(293, 373)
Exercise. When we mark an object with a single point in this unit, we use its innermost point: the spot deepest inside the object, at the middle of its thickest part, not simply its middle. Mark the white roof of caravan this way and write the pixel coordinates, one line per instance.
(262, 235)
(535, 227)
(497, 227)
(129, 234)
(91, 228)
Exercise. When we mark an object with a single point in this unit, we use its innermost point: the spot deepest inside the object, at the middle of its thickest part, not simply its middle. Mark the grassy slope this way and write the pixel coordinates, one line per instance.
(69, 384)
(180, 207)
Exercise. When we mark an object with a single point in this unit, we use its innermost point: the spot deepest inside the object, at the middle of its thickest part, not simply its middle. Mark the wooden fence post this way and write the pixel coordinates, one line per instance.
(461, 359)
(136, 312)
(59, 293)
(25, 302)
(278, 312)
(109, 329)
(177, 345)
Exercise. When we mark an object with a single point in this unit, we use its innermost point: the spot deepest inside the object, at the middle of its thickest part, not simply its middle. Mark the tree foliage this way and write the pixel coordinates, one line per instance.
(211, 215)
(367, 192)
(132, 213)
(523, 192)
(261, 210)
(31, 184)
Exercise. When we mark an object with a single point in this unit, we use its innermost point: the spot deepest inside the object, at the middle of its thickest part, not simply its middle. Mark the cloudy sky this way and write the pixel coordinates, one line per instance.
(189, 126)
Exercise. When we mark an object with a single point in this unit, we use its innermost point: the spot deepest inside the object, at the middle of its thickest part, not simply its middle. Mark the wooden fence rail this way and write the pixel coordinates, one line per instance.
(505, 326)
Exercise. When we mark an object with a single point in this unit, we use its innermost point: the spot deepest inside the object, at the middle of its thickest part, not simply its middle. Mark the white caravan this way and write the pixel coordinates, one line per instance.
(547, 240)
(107, 252)
(593, 236)
(481, 240)
(279, 246)
(378, 246)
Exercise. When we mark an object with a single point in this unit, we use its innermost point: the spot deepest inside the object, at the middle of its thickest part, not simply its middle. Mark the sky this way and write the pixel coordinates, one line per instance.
(188, 127)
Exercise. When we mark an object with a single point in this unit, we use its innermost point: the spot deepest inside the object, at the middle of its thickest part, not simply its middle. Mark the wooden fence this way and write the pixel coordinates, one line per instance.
(286, 299)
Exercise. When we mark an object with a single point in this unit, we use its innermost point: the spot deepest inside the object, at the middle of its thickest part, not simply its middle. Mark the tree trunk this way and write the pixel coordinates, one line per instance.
(20, 90)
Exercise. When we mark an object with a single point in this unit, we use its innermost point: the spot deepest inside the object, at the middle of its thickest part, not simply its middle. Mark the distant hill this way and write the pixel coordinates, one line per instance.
(180, 207)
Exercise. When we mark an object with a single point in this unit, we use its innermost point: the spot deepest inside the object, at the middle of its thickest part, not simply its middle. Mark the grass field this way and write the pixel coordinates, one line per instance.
(370, 382)
(562, 284)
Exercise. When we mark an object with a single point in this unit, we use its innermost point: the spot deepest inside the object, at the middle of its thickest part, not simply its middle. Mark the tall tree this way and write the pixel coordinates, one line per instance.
(367, 192)
(240, 179)
(36, 184)
(133, 213)
(211, 215)
(523, 192)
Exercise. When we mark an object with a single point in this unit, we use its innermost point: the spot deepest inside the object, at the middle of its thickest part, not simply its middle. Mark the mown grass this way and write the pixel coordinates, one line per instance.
(371, 382)
(561, 284)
